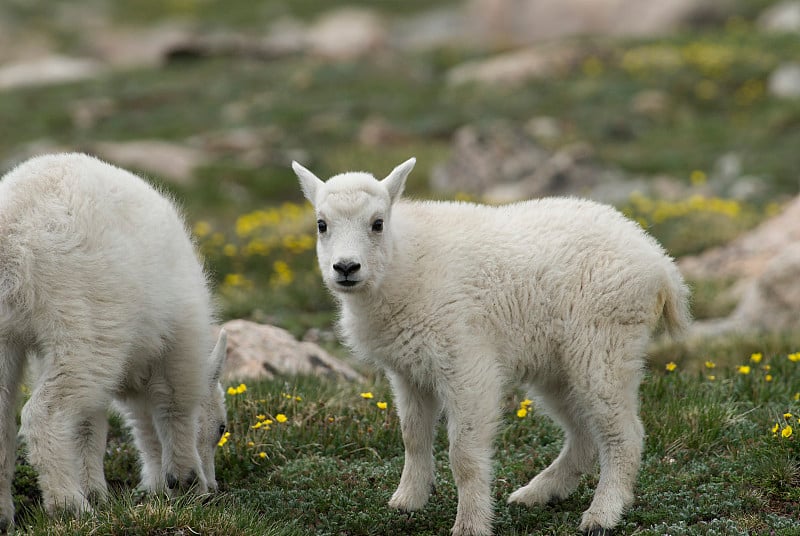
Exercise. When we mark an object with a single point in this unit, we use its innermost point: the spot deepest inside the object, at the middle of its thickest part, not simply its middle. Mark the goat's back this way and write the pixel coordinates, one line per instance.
(92, 249)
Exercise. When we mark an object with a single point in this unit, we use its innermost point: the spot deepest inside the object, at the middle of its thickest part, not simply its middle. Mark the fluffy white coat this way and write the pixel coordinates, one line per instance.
(102, 294)
(460, 301)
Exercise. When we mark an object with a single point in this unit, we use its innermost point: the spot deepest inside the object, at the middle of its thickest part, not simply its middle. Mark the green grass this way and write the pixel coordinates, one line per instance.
(711, 463)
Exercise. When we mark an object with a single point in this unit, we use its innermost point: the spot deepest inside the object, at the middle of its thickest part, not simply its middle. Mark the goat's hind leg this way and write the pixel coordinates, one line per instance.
(11, 362)
(576, 458)
(612, 407)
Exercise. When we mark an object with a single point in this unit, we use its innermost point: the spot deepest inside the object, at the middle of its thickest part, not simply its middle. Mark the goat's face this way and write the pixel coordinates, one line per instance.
(354, 240)
(213, 417)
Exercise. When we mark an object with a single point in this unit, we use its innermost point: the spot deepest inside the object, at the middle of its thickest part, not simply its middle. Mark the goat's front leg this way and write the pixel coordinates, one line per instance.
(11, 360)
(50, 423)
(472, 409)
(139, 416)
(418, 410)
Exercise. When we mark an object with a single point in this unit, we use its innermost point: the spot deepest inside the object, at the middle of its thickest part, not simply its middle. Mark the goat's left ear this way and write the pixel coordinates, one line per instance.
(395, 182)
(309, 182)
(218, 355)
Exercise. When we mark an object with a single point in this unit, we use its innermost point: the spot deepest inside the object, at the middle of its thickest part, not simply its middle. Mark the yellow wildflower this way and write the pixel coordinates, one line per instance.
(711, 377)
(262, 455)
(786, 432)
(671, 366)
(382, 405)
(282, 274)
(526, 403)
(261, 417)
(202, 229)
(592, 66)
(756, 358)
(787, 415)
(768, 378)
(522, 413)
(241, 388)
(366, 395)
(698, 177)
(280, 417)
(776, 428)
(223, 439)
(743, 369)
(251, 444)
(710, 365)
(256, 426)
(794, 357)
(796, 397)
(231, 390)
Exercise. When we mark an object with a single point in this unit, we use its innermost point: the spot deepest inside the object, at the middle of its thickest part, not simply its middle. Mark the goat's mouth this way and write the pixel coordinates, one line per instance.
(348, 283)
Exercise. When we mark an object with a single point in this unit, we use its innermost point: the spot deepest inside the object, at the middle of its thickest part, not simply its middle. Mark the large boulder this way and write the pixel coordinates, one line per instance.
(503, 162)
(523, 21)
(765, 265)
(258, 351)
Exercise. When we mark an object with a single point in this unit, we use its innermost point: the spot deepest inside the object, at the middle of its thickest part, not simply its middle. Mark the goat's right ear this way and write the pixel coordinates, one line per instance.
(309, 182)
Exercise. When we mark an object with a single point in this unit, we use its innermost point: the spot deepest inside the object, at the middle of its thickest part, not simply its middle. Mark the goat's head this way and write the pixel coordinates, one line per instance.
(354, 240)
(213, 417)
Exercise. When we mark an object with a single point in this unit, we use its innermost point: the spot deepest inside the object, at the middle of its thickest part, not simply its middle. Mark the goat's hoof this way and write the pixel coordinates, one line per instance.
(172, 481)
(598, 531)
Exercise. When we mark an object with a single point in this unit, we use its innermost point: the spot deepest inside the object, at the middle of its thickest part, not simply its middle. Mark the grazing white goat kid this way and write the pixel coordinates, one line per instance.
(458, 301)
(103, 296)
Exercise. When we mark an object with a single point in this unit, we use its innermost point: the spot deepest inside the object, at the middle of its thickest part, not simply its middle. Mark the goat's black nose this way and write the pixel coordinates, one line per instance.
(346, 267)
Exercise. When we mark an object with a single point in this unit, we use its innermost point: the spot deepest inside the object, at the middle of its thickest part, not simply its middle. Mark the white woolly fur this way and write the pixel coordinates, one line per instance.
(458, 302)
(102, 299)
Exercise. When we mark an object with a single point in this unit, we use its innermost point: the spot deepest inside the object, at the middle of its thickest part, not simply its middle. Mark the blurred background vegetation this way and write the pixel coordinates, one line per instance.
(227, 86)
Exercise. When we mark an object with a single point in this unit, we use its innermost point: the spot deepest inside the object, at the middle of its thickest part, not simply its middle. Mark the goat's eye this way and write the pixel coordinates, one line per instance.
(377, 225)
(221, 430)
(322, 226)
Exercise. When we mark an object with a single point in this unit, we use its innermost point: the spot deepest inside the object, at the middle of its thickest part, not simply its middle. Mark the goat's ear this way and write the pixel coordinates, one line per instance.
(395, 182)
(218, 355)
(309, 182)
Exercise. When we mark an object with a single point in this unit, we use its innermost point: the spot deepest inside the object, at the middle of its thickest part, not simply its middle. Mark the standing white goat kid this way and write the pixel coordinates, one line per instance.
(102, 294)
(457, 301)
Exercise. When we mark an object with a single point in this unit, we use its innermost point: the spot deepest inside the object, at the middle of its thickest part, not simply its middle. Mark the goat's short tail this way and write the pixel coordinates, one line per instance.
(677, 316)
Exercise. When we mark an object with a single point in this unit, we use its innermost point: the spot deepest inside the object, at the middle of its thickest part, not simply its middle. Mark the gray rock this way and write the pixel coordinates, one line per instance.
(502, 162)
(784, 82)
(347, 33)
(515, 67)
(765, 263)
(780, 17)
(257, 351)
(48, 70)
(171, 161)
(507, 22)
